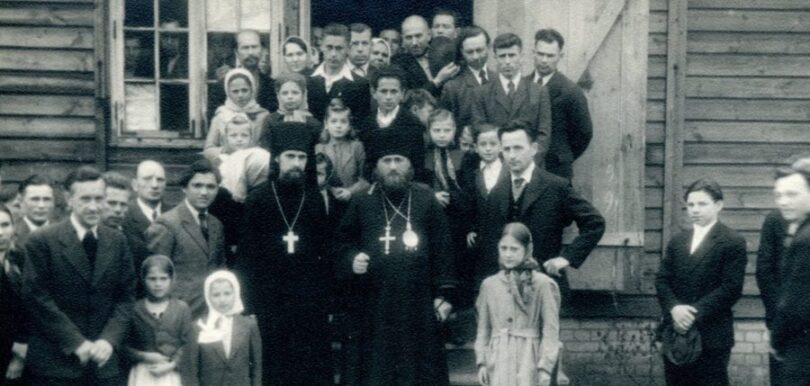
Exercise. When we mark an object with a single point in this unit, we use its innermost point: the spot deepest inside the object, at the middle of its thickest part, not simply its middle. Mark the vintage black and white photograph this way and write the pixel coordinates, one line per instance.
(404, 192)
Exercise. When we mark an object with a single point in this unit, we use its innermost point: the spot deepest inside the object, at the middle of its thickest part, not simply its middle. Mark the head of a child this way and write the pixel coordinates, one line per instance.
(420, 103)
(515, 245)
(157, 273)
(238, 133)
(290, 89)
(337, 124)
(239, 87)
(465, 141)
(222, 293)
(487, 143)
(325, 170)
(442, 128)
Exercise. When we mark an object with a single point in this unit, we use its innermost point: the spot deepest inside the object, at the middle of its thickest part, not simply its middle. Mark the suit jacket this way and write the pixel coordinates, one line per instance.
(791, 324)
(571, 126)
(711, 280)
(266, 98)
(472, 183)
(134, 227)
(349, 162)
(211, 367)
(548, 205)
(70, 301)
(22, 231)
(415, 76)
(177, 234)
(770, 262)
(355, 94)
(530, 103)
(459, 95)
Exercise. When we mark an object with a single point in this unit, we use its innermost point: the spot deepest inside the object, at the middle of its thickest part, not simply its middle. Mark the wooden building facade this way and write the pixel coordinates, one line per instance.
(679, 89)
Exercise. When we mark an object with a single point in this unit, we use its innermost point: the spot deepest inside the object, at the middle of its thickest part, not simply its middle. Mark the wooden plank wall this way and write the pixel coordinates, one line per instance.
(747, 109)
(47, 88)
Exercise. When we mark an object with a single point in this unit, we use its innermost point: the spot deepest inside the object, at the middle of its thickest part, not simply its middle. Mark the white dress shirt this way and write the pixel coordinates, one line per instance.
(526, 175)
(477, 74)
(148, 211)
(385, 120)
(490, 172)
(194, 212)
(505, 82)
(698, 234)
(81, 231)
(329, 80)
(546, 78)
(31, 226)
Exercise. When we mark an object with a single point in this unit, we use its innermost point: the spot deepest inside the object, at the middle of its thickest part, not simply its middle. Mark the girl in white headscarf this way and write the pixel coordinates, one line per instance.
(229, 347)
(240, 89)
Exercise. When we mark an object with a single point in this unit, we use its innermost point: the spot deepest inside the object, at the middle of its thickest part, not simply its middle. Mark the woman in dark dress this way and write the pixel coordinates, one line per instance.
(12, 319)
(699, 280)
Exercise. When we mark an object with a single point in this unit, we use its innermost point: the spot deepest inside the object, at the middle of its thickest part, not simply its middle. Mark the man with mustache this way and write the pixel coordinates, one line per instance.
(248, 55)
(396, 252)
(286, 274)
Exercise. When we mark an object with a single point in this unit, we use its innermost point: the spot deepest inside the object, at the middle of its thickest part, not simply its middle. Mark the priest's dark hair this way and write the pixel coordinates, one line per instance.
(706, 185)
(391, 72)
(517, 125)
(201, 166)
(82, 174)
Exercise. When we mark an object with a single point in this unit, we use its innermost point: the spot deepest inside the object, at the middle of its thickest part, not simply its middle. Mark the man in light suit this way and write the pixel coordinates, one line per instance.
(543, 202)
(78, 285)
(37, 204)
(459, 93)
(571, 126)
(190, 236)
(511, 97)
(149, 185)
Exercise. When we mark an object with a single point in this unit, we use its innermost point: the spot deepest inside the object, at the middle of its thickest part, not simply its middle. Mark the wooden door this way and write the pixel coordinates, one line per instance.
(605, 45)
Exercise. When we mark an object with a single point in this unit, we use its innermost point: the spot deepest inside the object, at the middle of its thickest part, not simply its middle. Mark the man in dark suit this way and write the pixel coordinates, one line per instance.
(416, 58)
(790, 325)
(149, 185)
(78, 285)
(511, 97)
(700, 278)
(459, 93)
(333, 81)
(773, 240)
(37, 204)
(543, 202)
(248, 54)
(190, 236)
(571, 126)
(116, 200)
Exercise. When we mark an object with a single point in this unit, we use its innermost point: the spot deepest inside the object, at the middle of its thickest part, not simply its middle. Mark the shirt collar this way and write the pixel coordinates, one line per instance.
(384, 120)
(477, 73)
(194, 212)
(345, 72)
(31, 226)
(148, 210)
(494, 164)
(526, 175)
(363, 68)
(505, 81)
(546, 78)
(703, 229)
(81, 231)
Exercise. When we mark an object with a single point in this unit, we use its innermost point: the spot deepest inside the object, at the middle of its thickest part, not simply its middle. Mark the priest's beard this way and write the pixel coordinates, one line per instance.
(292, 178)
(394, 181)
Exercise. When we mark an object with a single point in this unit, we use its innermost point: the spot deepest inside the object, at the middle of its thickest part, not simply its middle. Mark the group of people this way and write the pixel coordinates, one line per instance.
(376, 194)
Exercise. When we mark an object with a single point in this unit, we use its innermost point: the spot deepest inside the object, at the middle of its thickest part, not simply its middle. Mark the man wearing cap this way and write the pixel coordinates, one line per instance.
(395, 246)
(287, 276)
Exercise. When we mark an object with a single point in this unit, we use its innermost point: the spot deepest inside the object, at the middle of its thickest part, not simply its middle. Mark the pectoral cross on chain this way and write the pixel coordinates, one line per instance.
(290, 238)
(387, 239)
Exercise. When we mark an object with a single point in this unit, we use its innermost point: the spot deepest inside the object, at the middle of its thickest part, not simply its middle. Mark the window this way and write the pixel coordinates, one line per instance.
(164, 57)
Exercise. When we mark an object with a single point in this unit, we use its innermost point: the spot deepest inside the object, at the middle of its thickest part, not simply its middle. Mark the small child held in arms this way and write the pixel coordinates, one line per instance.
(229, 347)
(240, 90)
(518, 339)
(347, 154)
(161, 332)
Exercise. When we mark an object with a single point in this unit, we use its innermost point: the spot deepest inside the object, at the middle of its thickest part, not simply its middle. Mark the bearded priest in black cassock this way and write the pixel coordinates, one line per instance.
(286, 275)
(395, 246)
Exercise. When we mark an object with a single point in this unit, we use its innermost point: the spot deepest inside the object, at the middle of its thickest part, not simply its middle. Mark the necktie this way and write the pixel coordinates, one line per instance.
(154, 215)
(90, 244)
(204, 224)
(483, 76)
(517, 187)
(510, 88)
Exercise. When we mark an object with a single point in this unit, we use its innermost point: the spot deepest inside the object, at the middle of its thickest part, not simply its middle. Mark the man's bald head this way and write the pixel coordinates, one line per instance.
(415, 35)
(150, 181)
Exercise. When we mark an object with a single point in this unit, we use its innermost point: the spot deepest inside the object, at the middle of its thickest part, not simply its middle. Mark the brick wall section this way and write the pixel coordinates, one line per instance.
(621, 352)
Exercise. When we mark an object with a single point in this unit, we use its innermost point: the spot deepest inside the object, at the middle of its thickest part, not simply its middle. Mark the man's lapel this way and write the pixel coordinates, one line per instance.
(105, 253)
(533, 190)
(239, 336)
(703, 249)
(499, 195)
(521, 93)
(500, 95)
(191, 227)
(74, 251)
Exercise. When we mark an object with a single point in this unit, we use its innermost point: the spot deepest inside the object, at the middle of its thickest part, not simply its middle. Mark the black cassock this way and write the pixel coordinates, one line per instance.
(400, 341)
(290, 293)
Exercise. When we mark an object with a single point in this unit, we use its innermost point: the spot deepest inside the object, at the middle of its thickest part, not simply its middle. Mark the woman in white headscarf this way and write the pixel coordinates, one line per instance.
(240, 90)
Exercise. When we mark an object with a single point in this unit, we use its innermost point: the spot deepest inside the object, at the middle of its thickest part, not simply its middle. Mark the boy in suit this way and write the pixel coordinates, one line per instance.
(190, 236)
(79, 283)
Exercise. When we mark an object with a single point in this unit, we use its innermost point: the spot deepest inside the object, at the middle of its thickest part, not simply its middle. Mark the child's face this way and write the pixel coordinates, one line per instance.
(239, 91)
(338, 125)
(158, 283)
(465, 141)
(510, 252)
(423, 113)
(321, 175)
(488, 146)
(222, 296)
(442, 133)
(238, 137)
(290, 96)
